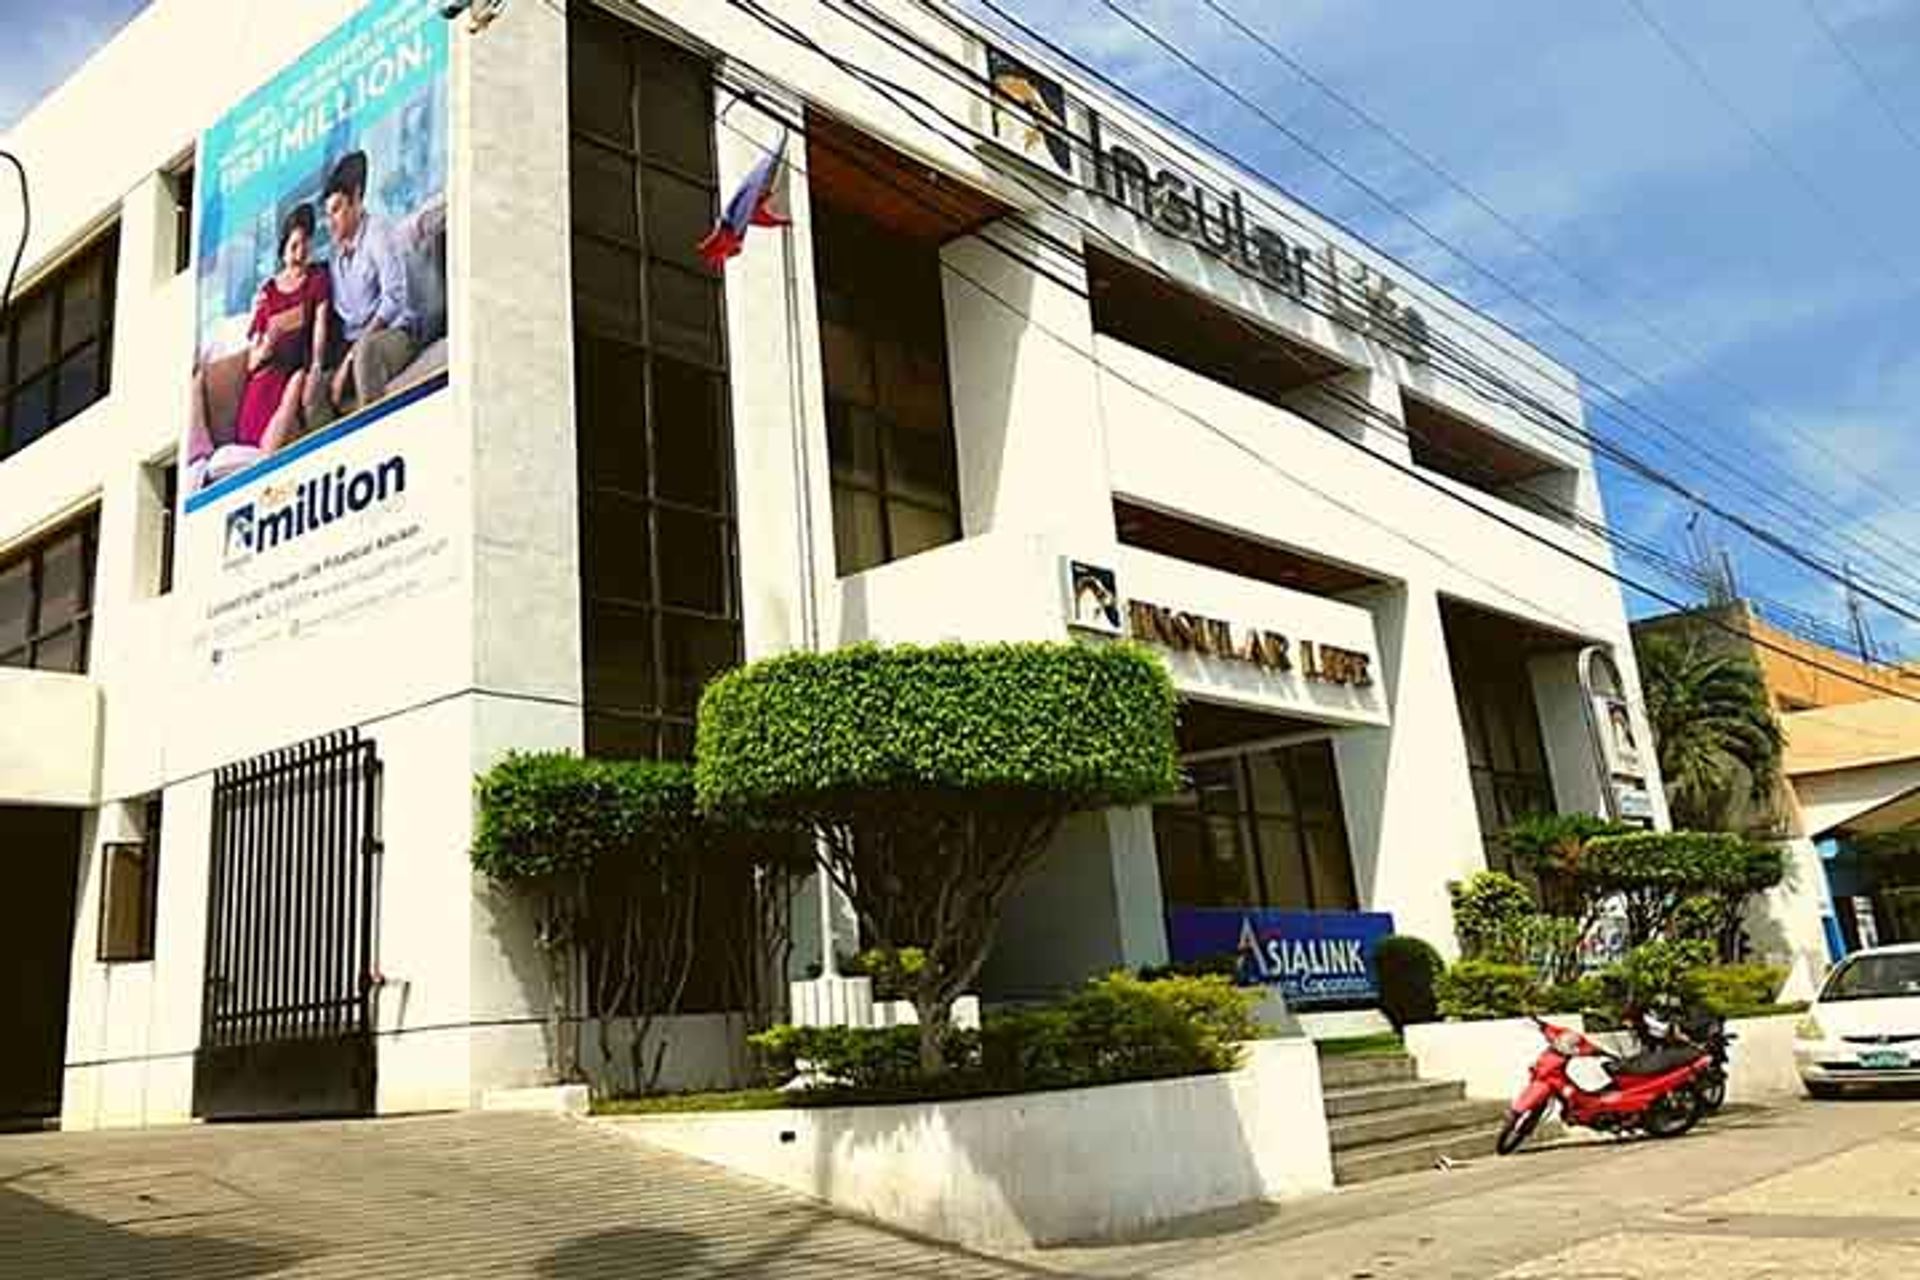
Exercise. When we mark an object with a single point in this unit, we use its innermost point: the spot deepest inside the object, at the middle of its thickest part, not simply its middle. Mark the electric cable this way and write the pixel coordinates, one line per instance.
(26, 231)
(1598, 567)
(1525, 354)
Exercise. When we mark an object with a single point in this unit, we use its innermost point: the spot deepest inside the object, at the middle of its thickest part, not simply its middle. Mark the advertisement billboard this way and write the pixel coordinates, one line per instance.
(1316, 958)
(321, 233)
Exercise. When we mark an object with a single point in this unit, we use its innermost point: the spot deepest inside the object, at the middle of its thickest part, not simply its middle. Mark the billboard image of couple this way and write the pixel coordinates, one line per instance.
(321, 232)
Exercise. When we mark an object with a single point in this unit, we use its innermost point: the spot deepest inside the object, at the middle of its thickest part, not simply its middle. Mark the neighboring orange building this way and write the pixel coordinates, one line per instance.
(1852, 762)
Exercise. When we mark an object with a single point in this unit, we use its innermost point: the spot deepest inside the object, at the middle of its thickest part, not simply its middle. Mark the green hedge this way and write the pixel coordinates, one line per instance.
(1408, 968)
(1116, 1029)
(549, 815)
(1487, 907)
(1735, 990)
(1087, 725)
(1477, 989)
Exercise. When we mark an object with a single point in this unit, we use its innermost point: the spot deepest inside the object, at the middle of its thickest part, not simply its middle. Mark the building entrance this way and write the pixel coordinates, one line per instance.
(42, 851)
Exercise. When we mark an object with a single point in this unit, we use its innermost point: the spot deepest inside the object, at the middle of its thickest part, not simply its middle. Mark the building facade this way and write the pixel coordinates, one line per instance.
(1028, 364)
(1849, 792)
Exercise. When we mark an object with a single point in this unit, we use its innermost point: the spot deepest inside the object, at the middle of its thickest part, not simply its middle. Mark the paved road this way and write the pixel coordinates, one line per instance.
(1832, 1190)
(450, 1196)
(1804, 1189)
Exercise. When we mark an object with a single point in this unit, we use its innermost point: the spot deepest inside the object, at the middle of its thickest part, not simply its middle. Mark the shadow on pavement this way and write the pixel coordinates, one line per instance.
(40, 1241)
(630, 1251)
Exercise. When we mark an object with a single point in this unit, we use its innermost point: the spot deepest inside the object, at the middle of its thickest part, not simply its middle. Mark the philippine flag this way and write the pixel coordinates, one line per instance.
(761, 201)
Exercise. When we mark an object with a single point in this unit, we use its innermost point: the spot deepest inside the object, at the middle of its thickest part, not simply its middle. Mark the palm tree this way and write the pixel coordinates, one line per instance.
(1719, 744)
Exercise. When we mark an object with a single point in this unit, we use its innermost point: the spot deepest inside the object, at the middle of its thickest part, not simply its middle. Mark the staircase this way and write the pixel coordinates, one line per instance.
(1383, 1119)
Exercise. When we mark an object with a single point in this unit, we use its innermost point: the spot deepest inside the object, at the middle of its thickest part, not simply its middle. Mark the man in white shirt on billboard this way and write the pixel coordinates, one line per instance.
(369, 277)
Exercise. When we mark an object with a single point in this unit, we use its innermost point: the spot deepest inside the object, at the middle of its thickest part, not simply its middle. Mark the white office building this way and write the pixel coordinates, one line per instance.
(307, 518)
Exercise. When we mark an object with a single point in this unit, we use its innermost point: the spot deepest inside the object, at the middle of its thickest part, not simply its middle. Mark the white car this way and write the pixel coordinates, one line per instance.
(1864, 1029)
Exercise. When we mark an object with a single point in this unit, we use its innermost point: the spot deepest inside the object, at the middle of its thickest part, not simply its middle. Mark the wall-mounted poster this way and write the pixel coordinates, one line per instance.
(1030, 114)
(321, 230)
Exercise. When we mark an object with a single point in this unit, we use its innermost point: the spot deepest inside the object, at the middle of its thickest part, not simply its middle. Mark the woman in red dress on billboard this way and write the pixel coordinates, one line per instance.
(286, 338)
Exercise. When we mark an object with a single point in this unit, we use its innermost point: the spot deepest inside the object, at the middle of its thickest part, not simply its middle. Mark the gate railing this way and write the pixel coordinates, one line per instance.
(294, 882)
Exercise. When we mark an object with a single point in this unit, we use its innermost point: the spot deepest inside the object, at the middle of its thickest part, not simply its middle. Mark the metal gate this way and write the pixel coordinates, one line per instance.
(287, 1018)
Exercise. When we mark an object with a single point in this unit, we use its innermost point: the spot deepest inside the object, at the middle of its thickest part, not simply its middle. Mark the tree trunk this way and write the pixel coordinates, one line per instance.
(933, 1015)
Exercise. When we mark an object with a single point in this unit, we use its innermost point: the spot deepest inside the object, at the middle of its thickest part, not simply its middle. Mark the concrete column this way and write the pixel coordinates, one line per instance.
(1558, 697)
(1406, 789)
(1025, 391)
(1331, 402)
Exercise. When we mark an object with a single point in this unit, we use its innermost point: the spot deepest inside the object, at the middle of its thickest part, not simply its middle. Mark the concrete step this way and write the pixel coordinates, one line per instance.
(1373, 1128)
(1389, 1097)
(1363, 1164)
(1354, 1071)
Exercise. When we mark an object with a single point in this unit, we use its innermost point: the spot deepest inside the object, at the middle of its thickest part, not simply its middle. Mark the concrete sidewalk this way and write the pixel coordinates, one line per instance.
(1750, 1193)
(1828, 1189)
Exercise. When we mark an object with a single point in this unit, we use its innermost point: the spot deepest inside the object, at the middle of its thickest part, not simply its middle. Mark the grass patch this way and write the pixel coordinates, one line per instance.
(667, 1104)
(1380, 1044)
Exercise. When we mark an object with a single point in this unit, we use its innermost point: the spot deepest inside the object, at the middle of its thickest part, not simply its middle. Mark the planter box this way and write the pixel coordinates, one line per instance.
(1039, 1168)
(1492, 1057)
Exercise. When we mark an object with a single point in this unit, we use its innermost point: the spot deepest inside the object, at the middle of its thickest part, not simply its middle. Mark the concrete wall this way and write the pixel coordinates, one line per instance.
(1043, 1168)
(1493, 1058)
(49, 739)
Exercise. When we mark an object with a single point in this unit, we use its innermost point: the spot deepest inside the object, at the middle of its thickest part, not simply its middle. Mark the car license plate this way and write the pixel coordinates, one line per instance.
(1885, 1059)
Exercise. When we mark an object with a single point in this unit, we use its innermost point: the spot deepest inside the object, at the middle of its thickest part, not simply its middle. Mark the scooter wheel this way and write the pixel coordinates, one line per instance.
(1712, 1092)
(1672, 1115)
(1516, 1128)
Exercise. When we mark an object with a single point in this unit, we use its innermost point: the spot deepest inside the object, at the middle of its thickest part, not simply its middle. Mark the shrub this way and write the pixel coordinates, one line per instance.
(1553, 847)
(1655, 974)
(893, 972)
(1734, 990)
(1476, 989)
(1117, 1028)
(1578, 995)
(937, 777)
(1407, 968)
(1488, 905)
(1655, 872)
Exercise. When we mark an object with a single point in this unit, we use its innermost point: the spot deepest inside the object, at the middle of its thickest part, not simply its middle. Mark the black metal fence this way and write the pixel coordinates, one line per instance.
(290, 931)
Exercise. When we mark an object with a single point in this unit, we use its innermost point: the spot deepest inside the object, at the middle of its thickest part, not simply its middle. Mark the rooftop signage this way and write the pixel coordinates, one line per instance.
(1035, 119)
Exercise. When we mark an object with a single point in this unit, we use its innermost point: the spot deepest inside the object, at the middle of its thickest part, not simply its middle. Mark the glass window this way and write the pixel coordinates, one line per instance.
(129, 892)
(1275, 816)
(56, 344)
(603, 185)
(659, 583)
(181, 183)
(1506, 757)
(889, 431)
(46, 600)
(168, 485)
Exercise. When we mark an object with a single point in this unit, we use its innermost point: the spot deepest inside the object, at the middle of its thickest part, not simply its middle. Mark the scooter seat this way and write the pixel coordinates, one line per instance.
(1655, 1062)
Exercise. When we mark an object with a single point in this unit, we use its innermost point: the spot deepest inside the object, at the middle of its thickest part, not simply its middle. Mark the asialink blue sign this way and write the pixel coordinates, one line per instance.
(1314, 957)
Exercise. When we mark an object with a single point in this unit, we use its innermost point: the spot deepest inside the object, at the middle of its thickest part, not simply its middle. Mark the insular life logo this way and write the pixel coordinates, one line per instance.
(284, 512)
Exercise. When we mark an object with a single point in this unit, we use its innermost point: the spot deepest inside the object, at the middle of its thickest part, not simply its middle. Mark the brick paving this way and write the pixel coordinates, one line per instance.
(440, 1196)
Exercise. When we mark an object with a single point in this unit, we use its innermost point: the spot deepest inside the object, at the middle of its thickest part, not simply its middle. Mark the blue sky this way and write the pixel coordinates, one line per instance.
(1748, 219)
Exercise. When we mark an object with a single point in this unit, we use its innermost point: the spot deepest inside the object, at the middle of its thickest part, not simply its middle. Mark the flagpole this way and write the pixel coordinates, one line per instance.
(809, 583)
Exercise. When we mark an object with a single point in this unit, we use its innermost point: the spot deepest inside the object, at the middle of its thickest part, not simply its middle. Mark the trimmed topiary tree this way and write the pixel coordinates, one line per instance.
(1655, 873)
(937, 777)
(1488, 907)
(1552, 847)
(1407, 968)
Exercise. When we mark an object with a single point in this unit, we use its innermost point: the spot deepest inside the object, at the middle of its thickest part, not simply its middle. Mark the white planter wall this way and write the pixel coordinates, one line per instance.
(1492, 1057)
(1042, 1168)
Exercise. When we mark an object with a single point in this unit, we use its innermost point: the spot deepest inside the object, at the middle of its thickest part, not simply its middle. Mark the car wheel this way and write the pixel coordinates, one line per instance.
(1824, 1090)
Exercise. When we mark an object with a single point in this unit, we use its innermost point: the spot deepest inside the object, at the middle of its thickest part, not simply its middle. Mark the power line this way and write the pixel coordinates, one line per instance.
(1801, 178)
(1819, 526)
(1860, 70)
(794, 35)
(26, 228)
(1538, 246)
(1360, 183)
(1488, 381)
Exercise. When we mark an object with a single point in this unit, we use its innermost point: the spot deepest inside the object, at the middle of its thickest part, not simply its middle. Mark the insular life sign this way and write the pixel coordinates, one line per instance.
(1180, 205)
(1217, 638)
(1035, 117)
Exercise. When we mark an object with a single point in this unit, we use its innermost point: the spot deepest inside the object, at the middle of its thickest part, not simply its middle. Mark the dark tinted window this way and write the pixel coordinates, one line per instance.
(660, 587)
(46, 600)
(56, 346)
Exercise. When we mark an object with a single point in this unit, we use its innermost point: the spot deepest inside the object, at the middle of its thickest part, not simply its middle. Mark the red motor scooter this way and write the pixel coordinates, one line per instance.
(1654, 1092)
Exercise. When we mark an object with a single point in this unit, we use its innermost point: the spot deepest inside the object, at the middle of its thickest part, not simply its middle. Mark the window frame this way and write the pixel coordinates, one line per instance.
(25, 654)
(101, 254)
(662, 724)
(115, 854)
